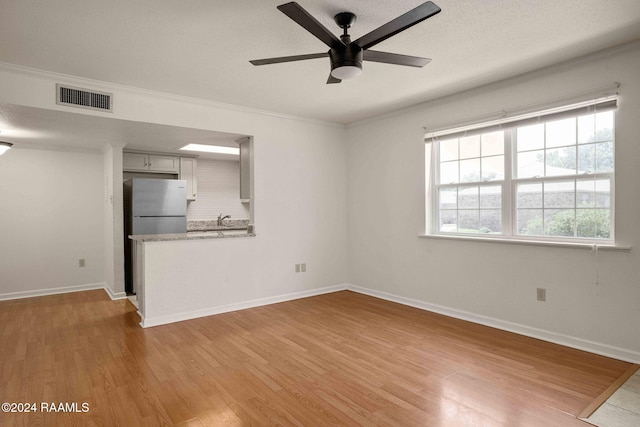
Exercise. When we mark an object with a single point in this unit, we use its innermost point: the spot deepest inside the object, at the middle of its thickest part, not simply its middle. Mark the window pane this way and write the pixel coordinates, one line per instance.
(530, 137)
(448, 221)
(603, 193)
(529, 196)
(448, 198)
(559, 194)
(586, 193)
(603, 223)
(604, 126)
(530, 222)
(530, 164)
(561, 161)
(468, 198)
(470, 170)
(449, 172)
(586, 158)
(586, 129)
(492, 168)
(491, 197)
(604, 157)
(491, 221)
(561, 133)
(468, 221)
(470, 147)
(448, 150)
(559, 222)
(493, 143)
(585, 223)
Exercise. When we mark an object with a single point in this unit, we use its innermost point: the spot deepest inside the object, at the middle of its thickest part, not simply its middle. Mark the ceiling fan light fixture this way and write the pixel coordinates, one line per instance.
(346, 62)
(346, 72)
(4, 146)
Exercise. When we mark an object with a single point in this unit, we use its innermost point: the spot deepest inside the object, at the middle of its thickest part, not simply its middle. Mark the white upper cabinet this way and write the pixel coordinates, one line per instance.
(135, 162)
(168, 164)
(141, 162)
(245, 170)
(188, 173)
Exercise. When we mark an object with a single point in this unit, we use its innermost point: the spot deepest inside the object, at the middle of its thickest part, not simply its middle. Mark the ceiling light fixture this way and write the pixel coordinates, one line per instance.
(211, 149)
(346, 72)
(4, 146)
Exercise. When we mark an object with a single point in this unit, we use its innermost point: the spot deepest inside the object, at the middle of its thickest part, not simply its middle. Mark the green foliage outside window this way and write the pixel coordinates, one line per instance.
(589, 223)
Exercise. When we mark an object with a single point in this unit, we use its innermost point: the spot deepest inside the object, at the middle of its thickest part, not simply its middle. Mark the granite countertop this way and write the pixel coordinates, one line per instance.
(191, 235)
(197, 230)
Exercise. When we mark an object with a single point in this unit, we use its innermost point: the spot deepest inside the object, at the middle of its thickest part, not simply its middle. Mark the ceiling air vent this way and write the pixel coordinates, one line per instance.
(83, 98)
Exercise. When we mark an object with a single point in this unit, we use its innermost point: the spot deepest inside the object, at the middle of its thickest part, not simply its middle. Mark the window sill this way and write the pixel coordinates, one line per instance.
(590, 246)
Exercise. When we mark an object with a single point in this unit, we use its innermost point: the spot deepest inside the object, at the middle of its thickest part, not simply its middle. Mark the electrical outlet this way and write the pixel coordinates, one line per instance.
(303, 267)
(297, 268)
(82, 262)
(542, 294)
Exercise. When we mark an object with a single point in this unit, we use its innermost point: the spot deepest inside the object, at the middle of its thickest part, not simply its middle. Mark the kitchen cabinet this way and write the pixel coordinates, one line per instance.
(135, 162)
(245, 169)
(142, 162)
(188, 173)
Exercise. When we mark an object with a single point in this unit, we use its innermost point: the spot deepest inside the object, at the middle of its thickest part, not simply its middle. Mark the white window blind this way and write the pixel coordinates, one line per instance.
(583, 108)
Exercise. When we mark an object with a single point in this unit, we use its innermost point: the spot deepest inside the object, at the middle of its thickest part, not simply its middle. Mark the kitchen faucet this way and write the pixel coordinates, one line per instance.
(222, 218)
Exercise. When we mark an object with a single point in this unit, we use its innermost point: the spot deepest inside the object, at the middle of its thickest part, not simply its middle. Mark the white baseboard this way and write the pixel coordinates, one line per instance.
(51, 291)
(114, 295)
(565, 340)
(178, 317)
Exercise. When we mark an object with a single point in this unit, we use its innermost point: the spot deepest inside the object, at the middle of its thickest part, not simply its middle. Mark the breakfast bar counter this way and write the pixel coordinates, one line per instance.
(187, 275)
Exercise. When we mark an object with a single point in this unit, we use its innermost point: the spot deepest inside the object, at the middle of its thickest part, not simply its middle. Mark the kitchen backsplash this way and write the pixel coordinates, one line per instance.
(213, 224)
(218, 191)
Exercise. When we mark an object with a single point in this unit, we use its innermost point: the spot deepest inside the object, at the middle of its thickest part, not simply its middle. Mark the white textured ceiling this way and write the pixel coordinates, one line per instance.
(202, 48)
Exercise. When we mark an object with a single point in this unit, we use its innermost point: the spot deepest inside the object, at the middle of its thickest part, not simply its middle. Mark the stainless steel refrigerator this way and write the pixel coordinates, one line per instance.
(151, 206)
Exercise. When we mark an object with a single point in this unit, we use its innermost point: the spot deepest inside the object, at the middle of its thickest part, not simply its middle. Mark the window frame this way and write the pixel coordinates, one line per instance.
(509, 184)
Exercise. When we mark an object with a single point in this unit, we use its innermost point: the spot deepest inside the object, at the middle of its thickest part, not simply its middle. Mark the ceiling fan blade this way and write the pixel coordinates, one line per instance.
(294, 11)
(401, 23)
(288, 58)
(394, 58)
(332, 79)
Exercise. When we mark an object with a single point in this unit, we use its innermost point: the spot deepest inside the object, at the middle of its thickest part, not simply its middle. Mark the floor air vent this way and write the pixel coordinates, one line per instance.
(76, 97)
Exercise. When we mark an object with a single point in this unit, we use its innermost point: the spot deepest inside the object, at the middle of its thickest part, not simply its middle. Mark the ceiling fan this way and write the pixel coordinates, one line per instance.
(346, 56)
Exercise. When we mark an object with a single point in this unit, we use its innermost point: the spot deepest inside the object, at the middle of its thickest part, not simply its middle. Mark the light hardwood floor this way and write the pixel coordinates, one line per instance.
(335, 359)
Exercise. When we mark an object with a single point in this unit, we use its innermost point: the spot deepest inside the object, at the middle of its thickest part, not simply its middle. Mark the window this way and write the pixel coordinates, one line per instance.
(549, 177)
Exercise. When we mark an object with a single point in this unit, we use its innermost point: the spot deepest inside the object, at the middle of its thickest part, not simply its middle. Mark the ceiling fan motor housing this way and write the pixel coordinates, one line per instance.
(348, 56)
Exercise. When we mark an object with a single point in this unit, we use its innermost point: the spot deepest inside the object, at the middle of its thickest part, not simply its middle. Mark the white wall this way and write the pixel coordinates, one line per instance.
(387, 210)
(299, 180)
(113, 220)
(51, 215)
(218, 191)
